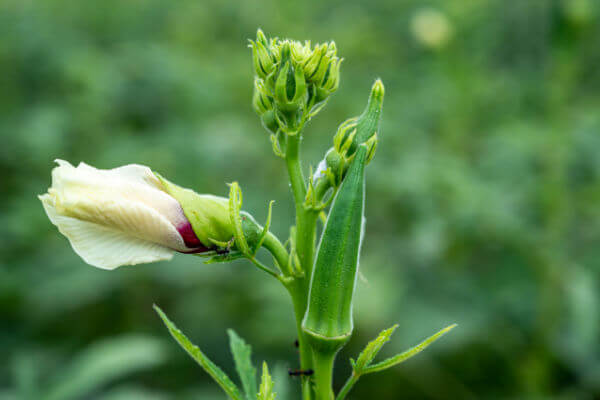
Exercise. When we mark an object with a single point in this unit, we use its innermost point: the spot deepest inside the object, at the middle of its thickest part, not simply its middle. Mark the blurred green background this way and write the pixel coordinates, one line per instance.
(483, 204)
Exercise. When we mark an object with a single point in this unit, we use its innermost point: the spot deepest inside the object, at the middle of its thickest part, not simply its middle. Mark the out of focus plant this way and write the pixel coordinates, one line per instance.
(131, 215)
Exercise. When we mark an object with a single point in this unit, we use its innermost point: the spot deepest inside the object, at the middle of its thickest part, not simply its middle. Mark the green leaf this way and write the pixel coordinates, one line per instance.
(372, 349)
(266, 385)
(390, 362)
(215, 372)
(104, 362)
(242, 355)
(362, 365)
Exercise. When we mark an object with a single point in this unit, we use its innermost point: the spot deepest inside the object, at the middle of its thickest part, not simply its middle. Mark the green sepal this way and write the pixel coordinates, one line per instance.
(276, 144)
(248, 234)
(207, 214)
(242, 355)
(266, 228)
(211, 368)
(235, 204)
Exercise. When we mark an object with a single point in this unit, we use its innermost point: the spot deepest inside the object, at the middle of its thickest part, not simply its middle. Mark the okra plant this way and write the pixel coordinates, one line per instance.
(131, 215)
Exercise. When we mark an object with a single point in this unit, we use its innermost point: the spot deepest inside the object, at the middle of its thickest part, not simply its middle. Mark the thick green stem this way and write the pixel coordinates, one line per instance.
(297, 289)
(306, 222)
(323, 376)
(305, 219)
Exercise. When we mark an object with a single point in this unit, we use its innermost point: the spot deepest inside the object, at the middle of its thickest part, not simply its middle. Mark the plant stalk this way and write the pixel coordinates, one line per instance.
(297, 290)
(323, 376)
(305, 219)
(279, 253)
(305, 246)
(347, 386)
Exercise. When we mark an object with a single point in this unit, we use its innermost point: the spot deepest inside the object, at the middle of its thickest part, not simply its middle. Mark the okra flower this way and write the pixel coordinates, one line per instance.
(128, 215)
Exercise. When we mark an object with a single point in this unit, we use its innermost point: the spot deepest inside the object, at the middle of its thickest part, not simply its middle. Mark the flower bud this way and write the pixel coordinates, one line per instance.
(299, 79)
(261, 100)
(269, 121)
(300, 53)
(126, 216)
(335, 163)
(264, 63)
(345, 135)
(328, 318)
(290, 88)
(315, 61)
(367, 123)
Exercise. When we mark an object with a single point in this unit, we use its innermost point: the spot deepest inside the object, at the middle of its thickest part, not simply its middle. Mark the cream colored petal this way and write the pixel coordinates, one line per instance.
(103, 247)
(132, 182)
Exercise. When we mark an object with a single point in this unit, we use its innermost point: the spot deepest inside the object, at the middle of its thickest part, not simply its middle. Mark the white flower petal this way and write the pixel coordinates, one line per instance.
(131, 182)
(109, 248)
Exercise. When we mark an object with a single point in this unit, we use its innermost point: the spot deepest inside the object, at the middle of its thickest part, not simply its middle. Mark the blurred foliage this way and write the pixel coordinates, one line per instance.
(483, 200)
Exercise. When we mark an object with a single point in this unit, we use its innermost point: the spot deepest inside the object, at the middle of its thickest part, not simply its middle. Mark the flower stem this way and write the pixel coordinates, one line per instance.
(347, 386)
(323, 363)
(305, 220)
(279, 253)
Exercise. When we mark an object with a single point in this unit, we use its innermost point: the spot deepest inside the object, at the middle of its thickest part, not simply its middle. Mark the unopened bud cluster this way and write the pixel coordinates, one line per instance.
(350, 134)
(293, 80)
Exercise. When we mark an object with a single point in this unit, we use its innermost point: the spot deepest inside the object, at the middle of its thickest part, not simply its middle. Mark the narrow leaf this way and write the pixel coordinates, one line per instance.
(266, 385)
(390, 362)
(215, 372)
(372, 349)
(242, 355)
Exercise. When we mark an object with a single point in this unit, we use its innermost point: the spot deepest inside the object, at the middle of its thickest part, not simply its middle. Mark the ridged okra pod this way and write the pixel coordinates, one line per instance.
(328, 319)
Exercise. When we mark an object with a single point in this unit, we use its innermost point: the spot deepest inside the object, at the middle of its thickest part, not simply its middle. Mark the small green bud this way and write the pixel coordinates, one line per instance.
(314, 62)
(367, 123)
(261, 100)
(335, 163)
(323, 67)
(331, 81)
(269, 121)
(300, 52)
(264, 63)
(290, 88)
(346, 131)
(328, 319)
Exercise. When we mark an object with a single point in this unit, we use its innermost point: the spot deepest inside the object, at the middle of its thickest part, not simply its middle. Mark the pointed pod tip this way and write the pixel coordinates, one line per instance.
(378, 90)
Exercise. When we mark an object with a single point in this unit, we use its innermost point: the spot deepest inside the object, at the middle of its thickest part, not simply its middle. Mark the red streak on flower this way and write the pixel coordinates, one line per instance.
(190, 239)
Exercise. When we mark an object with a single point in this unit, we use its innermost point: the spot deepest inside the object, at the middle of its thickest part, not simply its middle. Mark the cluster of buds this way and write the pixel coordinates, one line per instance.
(350, 134)
(293, 81)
